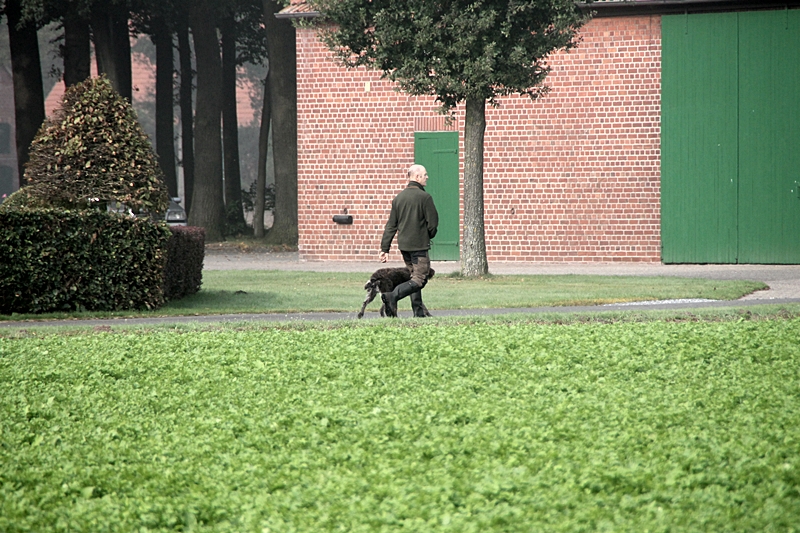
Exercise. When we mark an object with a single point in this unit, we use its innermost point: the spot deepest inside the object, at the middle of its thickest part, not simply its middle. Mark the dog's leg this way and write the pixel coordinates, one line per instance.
(372, 292)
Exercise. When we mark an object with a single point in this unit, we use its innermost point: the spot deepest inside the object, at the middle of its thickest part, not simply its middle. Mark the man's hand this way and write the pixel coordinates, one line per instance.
(384, 257)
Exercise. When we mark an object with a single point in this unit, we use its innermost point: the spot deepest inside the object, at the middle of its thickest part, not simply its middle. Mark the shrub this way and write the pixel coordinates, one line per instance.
(26, 197)
(183, 273)
(55, 260)
(94, 151)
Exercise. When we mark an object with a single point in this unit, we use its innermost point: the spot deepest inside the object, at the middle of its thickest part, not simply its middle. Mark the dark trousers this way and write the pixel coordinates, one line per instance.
(419, 265)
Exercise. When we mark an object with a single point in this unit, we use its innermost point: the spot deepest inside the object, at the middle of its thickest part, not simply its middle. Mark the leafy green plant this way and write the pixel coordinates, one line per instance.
(94, 151)
(651, 426)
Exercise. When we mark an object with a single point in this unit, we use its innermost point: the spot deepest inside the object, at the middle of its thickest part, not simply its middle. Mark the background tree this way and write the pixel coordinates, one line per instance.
(283, 97)
(243, 40)
(112, 45)
(234, 214)
(208, 207)
(471, 51)
(261, 178)
(185, 97)
(158, 18)
(76, 49)
(27, 79)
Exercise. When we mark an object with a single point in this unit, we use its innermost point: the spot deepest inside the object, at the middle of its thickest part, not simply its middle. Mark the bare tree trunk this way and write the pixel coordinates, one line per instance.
(187, 112)
(76, 50)
(208, 207)
(165, 134)
(230, 129)
(122, 49)
(283, 88)
(27, 79)
(112, 45)
(261, 178)
(473, 253)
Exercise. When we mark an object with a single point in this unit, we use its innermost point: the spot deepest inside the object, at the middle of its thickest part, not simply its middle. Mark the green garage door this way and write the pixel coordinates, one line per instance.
(438, 153)
(730, 123)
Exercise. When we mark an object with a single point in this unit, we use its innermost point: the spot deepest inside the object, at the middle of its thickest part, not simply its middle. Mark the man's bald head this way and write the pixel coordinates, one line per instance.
(418, 173)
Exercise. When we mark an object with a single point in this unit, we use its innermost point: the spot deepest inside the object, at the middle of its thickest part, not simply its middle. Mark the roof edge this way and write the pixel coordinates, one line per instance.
(305, 15)
(613, 8)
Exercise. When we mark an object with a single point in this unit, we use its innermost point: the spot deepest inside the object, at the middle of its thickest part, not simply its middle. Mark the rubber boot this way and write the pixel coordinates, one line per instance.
(417, 306)
(390, 299)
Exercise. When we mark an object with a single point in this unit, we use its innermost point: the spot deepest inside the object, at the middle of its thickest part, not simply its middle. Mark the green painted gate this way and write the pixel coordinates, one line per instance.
(438, 153)
(730, 124)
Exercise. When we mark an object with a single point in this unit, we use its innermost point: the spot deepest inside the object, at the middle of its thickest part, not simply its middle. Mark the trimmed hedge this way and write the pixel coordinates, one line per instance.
(183, 273)
(55, 260)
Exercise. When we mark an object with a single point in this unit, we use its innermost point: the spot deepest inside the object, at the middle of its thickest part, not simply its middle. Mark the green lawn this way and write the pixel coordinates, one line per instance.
(259, 291)
(404, 426)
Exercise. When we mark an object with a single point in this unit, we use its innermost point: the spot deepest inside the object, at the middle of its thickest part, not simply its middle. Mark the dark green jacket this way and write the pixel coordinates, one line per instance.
(413, 218)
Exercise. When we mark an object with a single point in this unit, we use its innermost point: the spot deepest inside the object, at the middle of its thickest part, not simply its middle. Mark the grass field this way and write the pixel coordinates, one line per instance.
(405, 426)
(253, 291)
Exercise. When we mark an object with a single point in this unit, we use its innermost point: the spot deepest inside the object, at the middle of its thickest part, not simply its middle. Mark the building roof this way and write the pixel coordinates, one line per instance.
(297, 9)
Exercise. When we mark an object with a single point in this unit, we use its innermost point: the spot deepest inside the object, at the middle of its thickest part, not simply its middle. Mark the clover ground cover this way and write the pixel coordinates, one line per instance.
(520, 427)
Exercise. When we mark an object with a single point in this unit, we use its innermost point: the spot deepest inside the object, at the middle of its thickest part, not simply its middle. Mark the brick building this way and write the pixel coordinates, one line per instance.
(574, 176)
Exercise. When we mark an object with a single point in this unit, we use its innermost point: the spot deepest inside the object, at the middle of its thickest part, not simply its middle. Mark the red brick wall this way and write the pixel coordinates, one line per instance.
(573, 176)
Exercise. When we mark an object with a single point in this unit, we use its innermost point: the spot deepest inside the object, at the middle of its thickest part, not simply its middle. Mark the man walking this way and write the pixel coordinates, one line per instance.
(414, 219)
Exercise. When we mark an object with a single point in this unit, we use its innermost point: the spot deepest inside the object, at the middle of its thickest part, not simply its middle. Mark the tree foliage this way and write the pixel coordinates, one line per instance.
(94, 149)
(453, 49)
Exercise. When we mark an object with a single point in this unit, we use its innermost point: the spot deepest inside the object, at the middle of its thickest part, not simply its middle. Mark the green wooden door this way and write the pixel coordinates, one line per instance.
(438, 153)
(769, 132)
(699, 138)
(729, 128)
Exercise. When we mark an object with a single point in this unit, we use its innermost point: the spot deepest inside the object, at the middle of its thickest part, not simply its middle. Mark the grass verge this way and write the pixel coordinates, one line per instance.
(249, 291)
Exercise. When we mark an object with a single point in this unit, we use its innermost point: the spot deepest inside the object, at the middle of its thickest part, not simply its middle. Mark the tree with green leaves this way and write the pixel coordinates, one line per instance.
(460, 51)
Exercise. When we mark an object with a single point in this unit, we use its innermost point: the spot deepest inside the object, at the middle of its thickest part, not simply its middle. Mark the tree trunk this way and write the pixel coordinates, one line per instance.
(165, 134)
(473, 253)
(230, 130)
(187, 113)
(27, 79)
(208, 207)
(283, 89)
(76, 50)
(261, 178)
(112, 45)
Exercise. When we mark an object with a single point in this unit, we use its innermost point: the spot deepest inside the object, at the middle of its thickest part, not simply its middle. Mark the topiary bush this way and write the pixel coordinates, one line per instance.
(56, 260)
(93, 151)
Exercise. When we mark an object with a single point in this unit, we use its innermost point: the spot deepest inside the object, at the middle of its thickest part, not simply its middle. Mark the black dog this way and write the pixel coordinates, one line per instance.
(385, 280)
